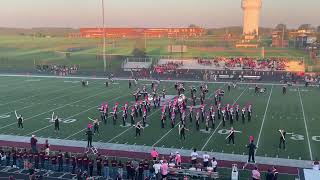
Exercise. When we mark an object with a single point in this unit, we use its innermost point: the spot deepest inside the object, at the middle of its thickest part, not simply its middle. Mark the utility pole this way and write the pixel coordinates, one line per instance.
(104, 39)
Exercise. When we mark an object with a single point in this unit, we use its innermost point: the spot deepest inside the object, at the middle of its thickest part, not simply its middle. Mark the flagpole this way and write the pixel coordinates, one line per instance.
(104, 39)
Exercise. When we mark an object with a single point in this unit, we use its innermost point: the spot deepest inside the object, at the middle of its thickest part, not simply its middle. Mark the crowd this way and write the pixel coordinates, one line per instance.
(168, 67)
(249, 63)
(58, 70)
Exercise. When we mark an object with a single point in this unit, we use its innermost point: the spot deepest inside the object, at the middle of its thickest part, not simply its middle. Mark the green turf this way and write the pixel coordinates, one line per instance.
(37, 98)
(20, 53)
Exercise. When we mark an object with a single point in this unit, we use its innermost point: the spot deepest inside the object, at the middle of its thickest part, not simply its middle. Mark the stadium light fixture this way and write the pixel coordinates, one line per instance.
(104, 38)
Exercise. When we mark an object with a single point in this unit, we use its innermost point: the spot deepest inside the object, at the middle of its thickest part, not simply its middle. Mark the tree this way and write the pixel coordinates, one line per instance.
(281, 27)
(305, 27)
(193, 26)
(139, 48)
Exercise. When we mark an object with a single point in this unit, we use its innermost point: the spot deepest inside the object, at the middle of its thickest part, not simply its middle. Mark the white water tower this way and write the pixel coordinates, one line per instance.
(251, 16)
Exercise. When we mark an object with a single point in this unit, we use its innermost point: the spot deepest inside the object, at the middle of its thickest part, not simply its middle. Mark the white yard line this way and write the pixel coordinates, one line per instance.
(150, 80)
(130, 128)
(20, 99)
(54, 109)
(208, 140)
(159, 140)
(75, 115)
(305, 124)
(264, 118)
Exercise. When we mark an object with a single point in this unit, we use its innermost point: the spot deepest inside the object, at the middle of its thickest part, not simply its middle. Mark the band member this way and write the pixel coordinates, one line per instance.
(124, 117)
(243, 111)
(284, 89)
(229, 87)
(132, 116)
(219, 110)
(95, 125)
(223, 115)
(249, 112)
(231, 115)
(107, 83)
(182, 131)
(138, 129)
(163, 119)
(130, 84)
(191, 113)
(101, 110)
(198, 120)
(56, 124)
(282, 142)
(164, 93)
(202, 112)
(207, 122)
(231, 135)
(144, 118)
(216, 99)
(213, 118)
(19, 119)
(237, 112)
(173, 117)
(256, 89)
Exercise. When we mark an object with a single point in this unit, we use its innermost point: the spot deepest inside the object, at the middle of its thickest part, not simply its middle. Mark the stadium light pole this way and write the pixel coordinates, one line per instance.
(104, 39)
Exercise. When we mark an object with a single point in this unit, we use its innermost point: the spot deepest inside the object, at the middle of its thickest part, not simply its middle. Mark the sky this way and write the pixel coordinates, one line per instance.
(152, 13)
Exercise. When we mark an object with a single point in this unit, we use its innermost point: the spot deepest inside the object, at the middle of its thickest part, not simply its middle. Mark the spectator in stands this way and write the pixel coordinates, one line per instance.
(269, 175)
(2, 157)
(157, 167)
(178, 160)
(47, 161)
(73, 161)
(106, 167)
(120, 170)
(31, 172)
(90, 164)
(60, 161)
(113, 169)
(129, 170)
(54, 162)
(205, 157)
(36, 160)
(33, 143)
(255, 174)
(14, 157)
(8, 158)
(85, 162)
(41, 156)
(145, 168)
(214, 164)
(275, 173)
(316, 165)
(194, 157)
(47, 147)
(154, 154)
(67, 161)
(99, 165)
(140, 171)
(164, 170)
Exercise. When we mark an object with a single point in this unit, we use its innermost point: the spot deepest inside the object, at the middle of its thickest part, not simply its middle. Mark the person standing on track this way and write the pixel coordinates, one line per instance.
(89, 134)
(252, 147)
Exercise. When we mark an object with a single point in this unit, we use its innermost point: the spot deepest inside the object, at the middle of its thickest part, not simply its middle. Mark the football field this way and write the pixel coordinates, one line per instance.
(36, 98)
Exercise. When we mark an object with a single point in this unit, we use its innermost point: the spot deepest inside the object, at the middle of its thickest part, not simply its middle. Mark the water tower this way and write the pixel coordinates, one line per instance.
(251, 16)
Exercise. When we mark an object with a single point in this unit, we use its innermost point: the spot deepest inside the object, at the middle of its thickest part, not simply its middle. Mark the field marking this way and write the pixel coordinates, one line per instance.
(20, 99)
(176, 125)
(264, 118)
(221, 121)
(55, 108)
(76, 114)
(148, 80)
(130, 127)
(305, 124)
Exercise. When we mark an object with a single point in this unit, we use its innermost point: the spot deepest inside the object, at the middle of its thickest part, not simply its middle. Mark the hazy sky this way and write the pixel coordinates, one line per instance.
(152, 13)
